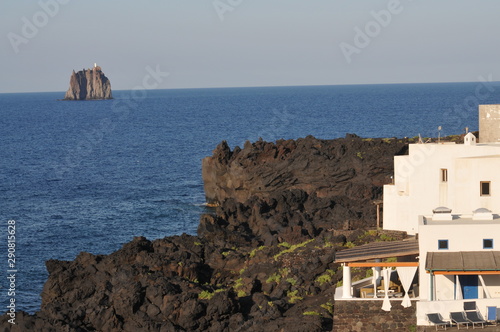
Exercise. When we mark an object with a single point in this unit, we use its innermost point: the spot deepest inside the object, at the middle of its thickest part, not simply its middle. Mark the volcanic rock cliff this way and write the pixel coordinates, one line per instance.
(89, 84)
(351, 167)
(299, 187)
(262, 260)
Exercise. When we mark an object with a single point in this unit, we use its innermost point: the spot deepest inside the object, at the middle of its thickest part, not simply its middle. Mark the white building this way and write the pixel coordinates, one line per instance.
(448, 194)
(459, 261)
(462, 177)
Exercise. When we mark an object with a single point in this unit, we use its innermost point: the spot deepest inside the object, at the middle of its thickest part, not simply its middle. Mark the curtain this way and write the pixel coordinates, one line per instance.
(386, 305)
(406, 275)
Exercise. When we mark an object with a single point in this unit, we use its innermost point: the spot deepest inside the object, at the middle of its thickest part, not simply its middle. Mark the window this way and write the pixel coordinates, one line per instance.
(485, 188)
(487, 243)
(442, 244)
(444, 175)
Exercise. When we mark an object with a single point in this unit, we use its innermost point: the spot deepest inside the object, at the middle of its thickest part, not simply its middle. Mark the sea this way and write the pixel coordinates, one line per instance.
(89, 176)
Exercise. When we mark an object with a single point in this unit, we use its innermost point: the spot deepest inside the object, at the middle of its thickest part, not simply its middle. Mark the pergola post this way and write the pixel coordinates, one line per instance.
(346, 282)
(377, 273)
(378, 216)
(431, 286)
(378, 270)
(378, 202)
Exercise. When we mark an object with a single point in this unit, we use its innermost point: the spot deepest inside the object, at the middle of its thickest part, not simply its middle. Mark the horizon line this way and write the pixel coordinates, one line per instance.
(266, 86)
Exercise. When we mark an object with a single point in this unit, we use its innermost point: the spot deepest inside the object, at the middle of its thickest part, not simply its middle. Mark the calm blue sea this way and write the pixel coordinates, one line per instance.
(91, 175)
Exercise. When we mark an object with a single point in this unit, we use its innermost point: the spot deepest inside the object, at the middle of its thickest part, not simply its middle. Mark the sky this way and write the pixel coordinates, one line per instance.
(240, 43)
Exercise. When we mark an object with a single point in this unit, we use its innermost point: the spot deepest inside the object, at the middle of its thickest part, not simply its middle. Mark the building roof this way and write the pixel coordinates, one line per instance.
(463, 261)
(376, 250)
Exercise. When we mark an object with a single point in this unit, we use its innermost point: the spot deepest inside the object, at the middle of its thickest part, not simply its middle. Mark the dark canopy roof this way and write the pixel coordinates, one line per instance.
(463, 261)
(378, 250)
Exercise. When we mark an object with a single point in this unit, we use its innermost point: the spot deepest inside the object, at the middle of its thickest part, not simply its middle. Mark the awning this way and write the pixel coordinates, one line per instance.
(463, 261)
(376, 250)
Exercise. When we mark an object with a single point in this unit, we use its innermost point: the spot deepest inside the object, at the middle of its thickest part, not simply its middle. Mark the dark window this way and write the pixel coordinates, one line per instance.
(444, 175)
(442, 244)
(488, 244)
(485, 188)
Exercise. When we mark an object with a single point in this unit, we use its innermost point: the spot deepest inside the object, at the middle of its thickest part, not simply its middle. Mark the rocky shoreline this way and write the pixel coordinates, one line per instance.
(262, 261)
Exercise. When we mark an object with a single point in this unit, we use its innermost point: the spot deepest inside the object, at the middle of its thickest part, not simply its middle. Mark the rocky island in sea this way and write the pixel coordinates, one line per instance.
(89, 84)
(263, 260)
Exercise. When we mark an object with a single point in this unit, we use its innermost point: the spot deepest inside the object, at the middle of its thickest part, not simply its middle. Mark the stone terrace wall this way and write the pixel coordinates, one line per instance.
(362, 316)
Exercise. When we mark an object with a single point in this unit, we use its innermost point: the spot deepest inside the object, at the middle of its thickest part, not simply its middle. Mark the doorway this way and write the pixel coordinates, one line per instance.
(469, 285)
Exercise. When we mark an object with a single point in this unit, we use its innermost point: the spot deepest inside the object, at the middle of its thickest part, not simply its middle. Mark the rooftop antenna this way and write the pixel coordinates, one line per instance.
(439, 134)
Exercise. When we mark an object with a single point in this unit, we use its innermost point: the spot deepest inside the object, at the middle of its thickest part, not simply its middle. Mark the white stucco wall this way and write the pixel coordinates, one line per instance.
(418, 188)
(469, 172)
(396, 210)
(462, 235)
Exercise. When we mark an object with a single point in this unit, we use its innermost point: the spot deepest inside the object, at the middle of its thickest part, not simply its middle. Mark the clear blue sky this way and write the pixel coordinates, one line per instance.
(259, 42)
